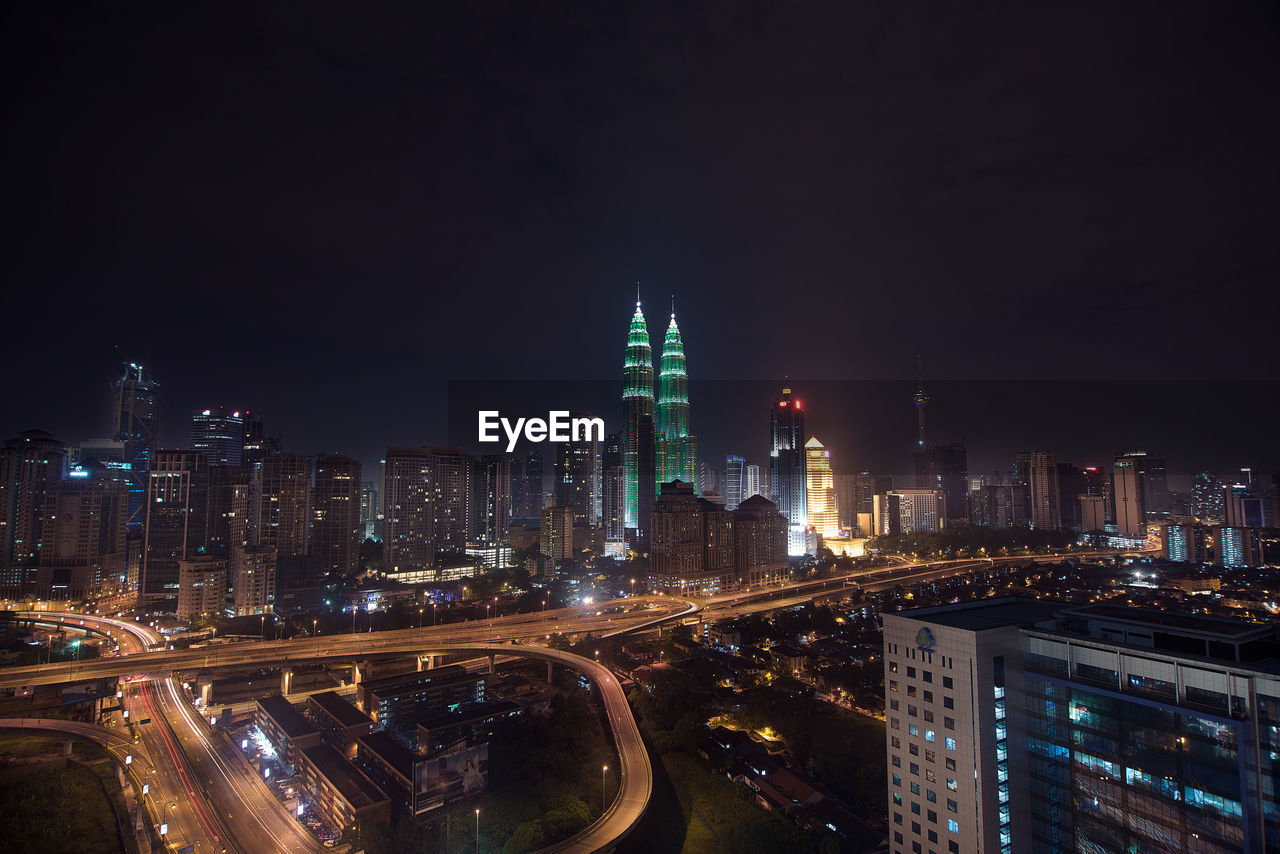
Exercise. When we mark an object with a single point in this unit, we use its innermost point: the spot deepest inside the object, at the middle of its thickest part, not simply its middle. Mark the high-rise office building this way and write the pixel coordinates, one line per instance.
(425, 505)
(1156, 501)
(1126, 485)
(787, 467)
(218, 434)
(760, 542)
(176, 525)
(1206, 495)
(490, 499)
(708, 478)
(820, 490)
(946, 467)
(335, 514)
(285, 504)
(136, 422)
(910, 511)
(1071, 486)
(847, 501)
(693, 543)
(555, 534)
(31, 465)
(613, 477)
(253, 579)
(646, 466)
(202, 587)
(677, 458)
(534, 492)
(1043, 482)
(254, 446)
(229, 496)
(369, 511)
(1016, 725)
(751, 484)
(637, 406)
(82, 550)
(735, 478)
(574, 473)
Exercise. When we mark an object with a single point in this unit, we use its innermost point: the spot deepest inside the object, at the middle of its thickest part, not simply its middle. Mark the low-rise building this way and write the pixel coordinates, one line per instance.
(340, 723)
(340, 792)
(285, 728)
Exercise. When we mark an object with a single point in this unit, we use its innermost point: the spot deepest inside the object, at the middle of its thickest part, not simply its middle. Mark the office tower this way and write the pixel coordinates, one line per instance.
(847, 501)
(229, 495)
(176, 524)
(693, 543)
(922, 401)
(335, 514)
(787, 467)
(31, 464)
(136, 418)
(1097, 484)
(820, 490)
(946, 467)
(750, 481)
(426, 499)
(646, 466)
(253, 578)
(677, 459)
(869, 486)
(218, 434)
(107, 454)
(517, 489)
(369, 511)
(534, 493)
(910, 511)
(1091, 728)
(1155, 488)
(1093, 514)
(253, 444)
(735, 477)
(202, 587)
(1206, 495)
(1237, 547)
(1043, 482)
(555, 534)
(708, 478)
(760, 542)
(490, 499)
(1186, 543)
(597, 480)
(1126, 485)
(82, 549)
(613, 477)
(1071, 485)
(637, 406)
(1140, 460)
(574, 467)
(286, 504)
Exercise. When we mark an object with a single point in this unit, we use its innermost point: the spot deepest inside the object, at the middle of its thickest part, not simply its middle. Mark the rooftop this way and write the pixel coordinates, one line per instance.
(420, 677)
(355, 788)
(286, 717)
(390, 751)
(338, 708)
(1199, 624)
(987, 614)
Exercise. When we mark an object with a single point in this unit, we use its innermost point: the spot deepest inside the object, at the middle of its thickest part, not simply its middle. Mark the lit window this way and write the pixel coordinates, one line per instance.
(953, 825)
(951, 743)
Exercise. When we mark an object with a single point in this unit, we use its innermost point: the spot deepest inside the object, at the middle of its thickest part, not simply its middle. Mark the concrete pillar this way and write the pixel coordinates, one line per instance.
(205, 684)
(286, 681)
(492, 667)
(550, 671)
(426, 661)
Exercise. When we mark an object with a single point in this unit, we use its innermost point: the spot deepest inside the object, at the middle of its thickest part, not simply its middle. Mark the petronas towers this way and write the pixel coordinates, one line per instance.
(657, 447)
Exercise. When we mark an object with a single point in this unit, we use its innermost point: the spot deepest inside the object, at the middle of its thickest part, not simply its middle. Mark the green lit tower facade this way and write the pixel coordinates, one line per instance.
(637, 404)
(676, 448)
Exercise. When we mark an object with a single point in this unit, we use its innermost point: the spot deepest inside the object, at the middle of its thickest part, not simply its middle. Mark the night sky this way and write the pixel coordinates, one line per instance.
(328, 213)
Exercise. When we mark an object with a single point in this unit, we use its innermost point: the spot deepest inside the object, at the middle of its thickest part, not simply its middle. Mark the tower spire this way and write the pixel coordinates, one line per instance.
(922, 399)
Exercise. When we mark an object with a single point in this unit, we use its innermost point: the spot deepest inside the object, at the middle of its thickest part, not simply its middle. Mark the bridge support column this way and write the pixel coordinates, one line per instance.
(286, 681)
(492, 664)
(359, 672)
(426, 661)
(550, 671)
(205, 686)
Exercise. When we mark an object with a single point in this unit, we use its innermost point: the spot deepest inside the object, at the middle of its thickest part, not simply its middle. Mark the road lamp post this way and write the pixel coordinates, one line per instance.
(477, 831)
(604, 769)
(419, 618)
(262, 626)
(313, 627)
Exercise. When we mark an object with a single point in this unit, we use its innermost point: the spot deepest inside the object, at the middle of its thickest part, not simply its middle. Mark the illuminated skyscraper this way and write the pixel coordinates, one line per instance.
(1045, 512)
(286, 501)
(490, 499)
(613, 479)
(675, 446)
(218, 433)
(177, 519)
(735, 474)
(946, 467)
(335, 513)
(575, 475)
(1206, 495)
(820, 489)
(787, 468)
(136, 414)
(31, 466)
(637, 404)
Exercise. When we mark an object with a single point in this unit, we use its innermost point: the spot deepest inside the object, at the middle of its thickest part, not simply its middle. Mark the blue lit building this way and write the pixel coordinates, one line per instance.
(1017, 725)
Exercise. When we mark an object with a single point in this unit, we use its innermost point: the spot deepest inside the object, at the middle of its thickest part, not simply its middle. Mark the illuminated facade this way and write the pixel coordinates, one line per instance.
(284, 515)
(219, 434)
(637, 403)
(335, 513)
(787, 468)
(136, 413)
(820, 490)
(676, 448)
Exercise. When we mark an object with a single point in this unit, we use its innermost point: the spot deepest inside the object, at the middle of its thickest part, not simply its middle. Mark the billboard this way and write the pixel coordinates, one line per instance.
(85, 691)
(449, 776)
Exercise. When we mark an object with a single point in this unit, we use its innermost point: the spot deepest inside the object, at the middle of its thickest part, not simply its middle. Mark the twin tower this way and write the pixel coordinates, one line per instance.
(656, 447)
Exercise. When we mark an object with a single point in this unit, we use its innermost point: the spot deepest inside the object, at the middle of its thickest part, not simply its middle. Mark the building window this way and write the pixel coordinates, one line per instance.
(951, 743)
(896, 760)
(928, 696)
(893, 724)
(915, 769)
(895, 742)
(897, 798)
(946, 682)
(930, 736)
(951, 765)
(893, 685)
(948, 703)
(915, 809)
(915, 788)
(949, 723)
(897, 818)
(911, 690)
(931, 796)
(893, 667)
(911, 710)
(911, 673)
(893, 705)
(951, 784)
(953, 825)
(913, 729)
(914, 748)
(927, 675)
(932, 816)
(929, 775)
(897, 779)
(930, 756)
(928, 716)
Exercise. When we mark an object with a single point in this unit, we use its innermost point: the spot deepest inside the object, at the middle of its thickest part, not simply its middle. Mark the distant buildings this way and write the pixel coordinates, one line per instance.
(31, 465)
(820, 490)
(335, 513)
(285, 509)
(219, 435)
(787, 468)
(1206, 496)
(638, 407)
(574, 474)
(676, 449)
(490, 499)
(735, 477)
(253, 579)
(136, 412)
(946, 468)
(1127, 497)
(425, 505)
(555, 535)
(910, 511)
(614, 498)
(202, 587)
(1045, 512)
(176, 524)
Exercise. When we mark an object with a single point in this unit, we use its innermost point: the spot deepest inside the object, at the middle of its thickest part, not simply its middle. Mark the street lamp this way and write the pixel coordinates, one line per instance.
(313, 627)
(477, 831)
(262, 626)
(633, 587)
(604, 769)
(419, 618)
